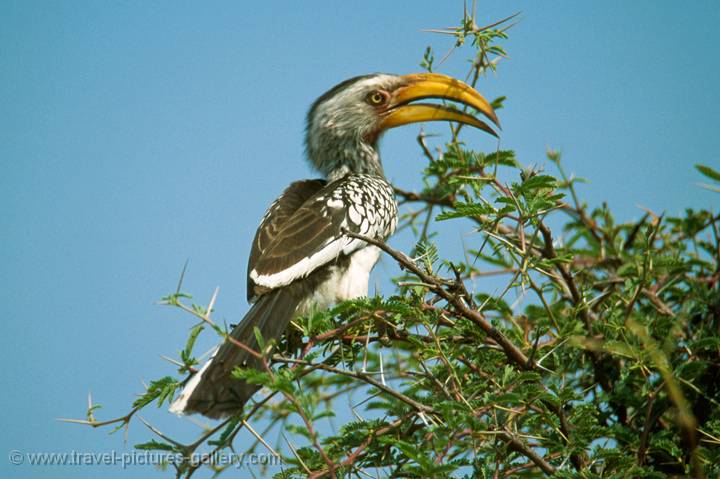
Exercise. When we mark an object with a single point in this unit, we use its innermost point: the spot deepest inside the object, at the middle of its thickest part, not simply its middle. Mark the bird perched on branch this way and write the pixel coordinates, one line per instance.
(302, 256)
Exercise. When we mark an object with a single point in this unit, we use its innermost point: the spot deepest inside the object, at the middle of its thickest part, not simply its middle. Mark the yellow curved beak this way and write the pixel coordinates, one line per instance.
(433, 85)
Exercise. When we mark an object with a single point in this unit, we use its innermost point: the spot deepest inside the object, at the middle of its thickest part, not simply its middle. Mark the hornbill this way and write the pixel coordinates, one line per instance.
(302, 257)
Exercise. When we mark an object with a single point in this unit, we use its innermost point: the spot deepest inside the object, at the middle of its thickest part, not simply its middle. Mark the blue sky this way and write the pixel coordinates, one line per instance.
(137, 135)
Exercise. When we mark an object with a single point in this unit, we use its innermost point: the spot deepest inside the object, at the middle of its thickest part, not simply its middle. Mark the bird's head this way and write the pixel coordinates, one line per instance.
(345, 124)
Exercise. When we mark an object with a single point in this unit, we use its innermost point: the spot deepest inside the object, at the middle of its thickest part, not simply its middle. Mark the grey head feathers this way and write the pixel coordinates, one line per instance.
(342, 128)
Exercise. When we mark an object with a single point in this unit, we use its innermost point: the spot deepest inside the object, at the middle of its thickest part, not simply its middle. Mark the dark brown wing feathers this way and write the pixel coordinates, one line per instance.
(276, 218)
(306, 232)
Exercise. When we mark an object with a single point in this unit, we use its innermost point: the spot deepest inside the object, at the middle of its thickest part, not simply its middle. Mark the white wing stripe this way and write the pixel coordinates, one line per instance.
(301, 269)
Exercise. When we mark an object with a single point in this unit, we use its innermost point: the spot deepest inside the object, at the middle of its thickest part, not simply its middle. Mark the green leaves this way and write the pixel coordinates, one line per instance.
(428, 59)
(154, 445)
(186, 354)
(465, 210)
(537, 182)
(709, 173)
(427, 253)
(161, 390)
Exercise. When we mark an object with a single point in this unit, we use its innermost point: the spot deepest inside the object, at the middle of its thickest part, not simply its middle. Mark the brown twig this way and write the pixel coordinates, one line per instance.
(517, 445)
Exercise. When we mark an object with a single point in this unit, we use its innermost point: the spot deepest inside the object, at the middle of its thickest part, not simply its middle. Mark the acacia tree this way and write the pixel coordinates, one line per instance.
(599, 357)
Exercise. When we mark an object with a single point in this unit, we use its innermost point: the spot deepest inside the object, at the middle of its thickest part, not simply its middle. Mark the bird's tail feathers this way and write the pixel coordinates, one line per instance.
(212, 391)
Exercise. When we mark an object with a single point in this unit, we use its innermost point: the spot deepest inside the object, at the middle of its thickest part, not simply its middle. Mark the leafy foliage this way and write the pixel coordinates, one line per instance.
(598, 357)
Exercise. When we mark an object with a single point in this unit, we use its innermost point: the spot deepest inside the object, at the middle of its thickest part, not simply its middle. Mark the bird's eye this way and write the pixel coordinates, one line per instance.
(376, 98)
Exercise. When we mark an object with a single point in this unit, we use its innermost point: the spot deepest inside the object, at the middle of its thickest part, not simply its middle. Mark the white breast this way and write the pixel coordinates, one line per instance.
(344, 283)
